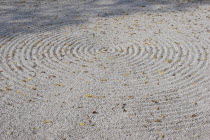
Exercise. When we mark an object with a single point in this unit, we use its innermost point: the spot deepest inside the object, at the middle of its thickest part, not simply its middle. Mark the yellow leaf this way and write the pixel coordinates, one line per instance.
(18, 91)
(7, 90)
(161, 72)
(103, 68)
(47, 121)
(148, 43)
(82, 124)
(162, 136)
(127, 74)
(121, 50)
(59, 85)
(89, 96)
(155, 57)
(104, 80)
(29, 78)
(169, 61)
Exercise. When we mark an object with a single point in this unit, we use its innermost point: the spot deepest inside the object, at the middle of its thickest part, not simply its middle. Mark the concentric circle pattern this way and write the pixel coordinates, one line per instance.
(134, 78)
(154, 73)
(23, 57)
(170, 62)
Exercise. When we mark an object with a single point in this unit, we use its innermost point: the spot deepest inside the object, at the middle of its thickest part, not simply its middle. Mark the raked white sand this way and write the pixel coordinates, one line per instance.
(104, 70)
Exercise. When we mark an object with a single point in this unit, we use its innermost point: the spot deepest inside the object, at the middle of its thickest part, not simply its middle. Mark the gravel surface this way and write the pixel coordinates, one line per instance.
(104, 70)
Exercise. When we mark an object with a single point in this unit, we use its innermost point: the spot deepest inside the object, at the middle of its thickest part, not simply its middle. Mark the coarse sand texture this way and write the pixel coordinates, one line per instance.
(104, 70)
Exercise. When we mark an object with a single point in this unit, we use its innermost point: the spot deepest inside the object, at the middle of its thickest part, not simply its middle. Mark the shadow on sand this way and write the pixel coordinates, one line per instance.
(30, 16)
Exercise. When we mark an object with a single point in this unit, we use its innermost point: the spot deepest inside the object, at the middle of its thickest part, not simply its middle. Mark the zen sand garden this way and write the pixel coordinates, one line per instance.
(104, 70)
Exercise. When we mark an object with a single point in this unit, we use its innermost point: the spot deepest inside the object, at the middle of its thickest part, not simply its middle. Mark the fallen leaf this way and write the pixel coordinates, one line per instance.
(130, 97)
(95, 112)
(104, 80)
(7, 90)
(193, 115)
(89, 96)
(127, 74)
(177, 42)
(160, 72)
(155, 57)
(148, 43)
(82, 124)
(162, 136)
(103, 68)
(84, 66)
(169, 61)
(59, 85)
(155, 101)
(25, 80)
(157, 120)
(20, 68)
(120, 50)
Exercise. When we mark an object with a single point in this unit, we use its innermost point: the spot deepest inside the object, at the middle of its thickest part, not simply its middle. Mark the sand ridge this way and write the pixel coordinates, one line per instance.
(135, 74)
